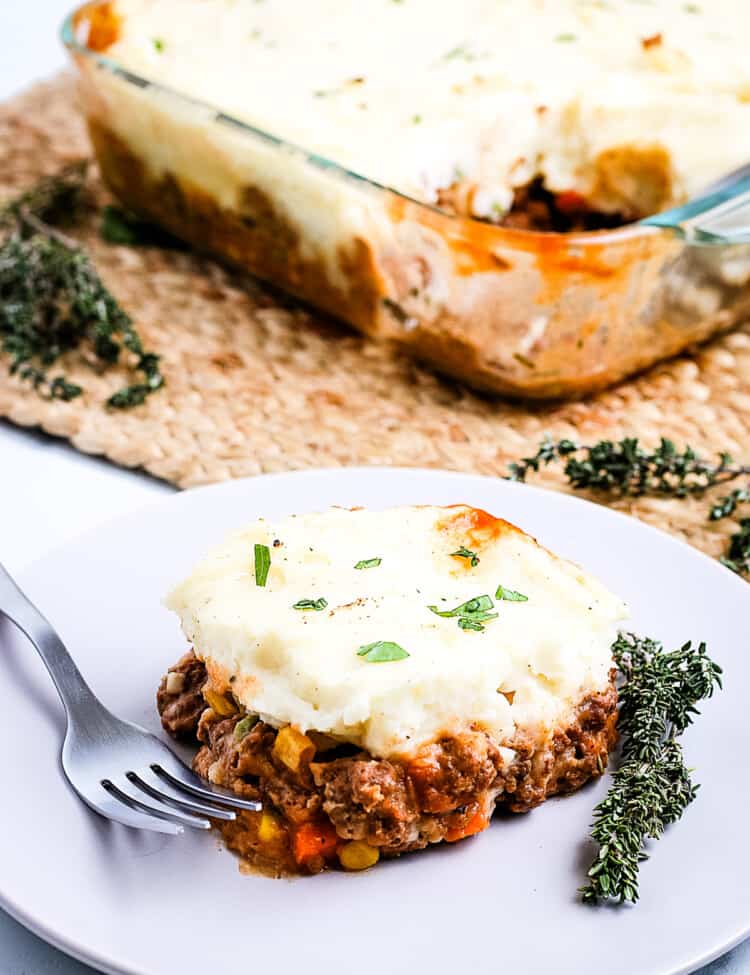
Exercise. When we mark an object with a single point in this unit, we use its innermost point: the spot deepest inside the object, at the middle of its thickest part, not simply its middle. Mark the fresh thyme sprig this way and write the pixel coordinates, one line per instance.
(623, 468)
(737, 555)
(652, 787)
(56, 200)
(727, 505)
(52, 300)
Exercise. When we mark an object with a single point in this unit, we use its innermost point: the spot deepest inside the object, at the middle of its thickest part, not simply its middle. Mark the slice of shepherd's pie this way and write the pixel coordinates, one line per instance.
(383, 680)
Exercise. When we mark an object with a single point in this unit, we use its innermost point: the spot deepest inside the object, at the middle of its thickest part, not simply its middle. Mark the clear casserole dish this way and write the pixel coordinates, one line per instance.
(516, 312)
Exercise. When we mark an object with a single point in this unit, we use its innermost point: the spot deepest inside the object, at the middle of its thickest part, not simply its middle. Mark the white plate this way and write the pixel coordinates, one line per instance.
(144, 904)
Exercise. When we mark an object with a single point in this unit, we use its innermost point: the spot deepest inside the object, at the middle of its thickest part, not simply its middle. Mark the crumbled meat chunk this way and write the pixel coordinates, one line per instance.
(248, 766)
(573, 755)
(452, 771)
(180, 702)
(229, 763)
(368, 800)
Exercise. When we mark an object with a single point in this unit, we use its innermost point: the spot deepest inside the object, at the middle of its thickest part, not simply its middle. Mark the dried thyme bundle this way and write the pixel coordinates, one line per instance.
(52, 300)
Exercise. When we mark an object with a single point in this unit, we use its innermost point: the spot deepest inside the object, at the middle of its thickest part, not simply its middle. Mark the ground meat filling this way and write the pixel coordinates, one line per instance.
(333, 799)
(180, 699)
(369, 800)
(536, 208)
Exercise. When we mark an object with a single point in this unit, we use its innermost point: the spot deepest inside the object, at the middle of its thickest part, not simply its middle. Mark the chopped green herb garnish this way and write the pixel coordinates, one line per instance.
(115, 228)
(382, 651)
(262, 564)
(466, 553)
(510, 595)
(480, 604)
(468, 624)
(471, 614)
(158, 44)
(565, 38)
(455, 52)
(416, 119)
(462, 52)
(317, 604)
(368, 563)
(245, 726)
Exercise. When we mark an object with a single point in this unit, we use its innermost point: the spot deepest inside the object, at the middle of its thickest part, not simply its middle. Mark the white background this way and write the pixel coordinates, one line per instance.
(48, 492)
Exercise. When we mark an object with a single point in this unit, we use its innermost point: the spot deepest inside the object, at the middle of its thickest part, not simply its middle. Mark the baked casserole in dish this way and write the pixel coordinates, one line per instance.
(463, 179)
(382, 681)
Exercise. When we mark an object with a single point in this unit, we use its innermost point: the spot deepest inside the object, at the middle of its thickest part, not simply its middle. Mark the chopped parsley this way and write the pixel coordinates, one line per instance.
(468, 624)
(382, 651)
(317, 604)
(158, 44)
(460, 52)
(466, 553)
(479, 604)
(510, 595)
(471, 615)
(565, 38)
(368, 563)
(262, 564)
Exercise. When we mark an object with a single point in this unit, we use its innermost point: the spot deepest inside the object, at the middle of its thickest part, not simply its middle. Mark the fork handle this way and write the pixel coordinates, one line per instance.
(67, 678)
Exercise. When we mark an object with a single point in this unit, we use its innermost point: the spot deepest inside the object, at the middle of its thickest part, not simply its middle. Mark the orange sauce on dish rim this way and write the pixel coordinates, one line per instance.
(103, 23)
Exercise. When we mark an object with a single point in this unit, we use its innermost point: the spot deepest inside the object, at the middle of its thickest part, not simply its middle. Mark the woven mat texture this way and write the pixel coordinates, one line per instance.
(256, 384)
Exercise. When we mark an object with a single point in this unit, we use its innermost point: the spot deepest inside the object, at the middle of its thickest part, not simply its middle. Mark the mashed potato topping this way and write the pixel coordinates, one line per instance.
(306, 647)
(631, 104)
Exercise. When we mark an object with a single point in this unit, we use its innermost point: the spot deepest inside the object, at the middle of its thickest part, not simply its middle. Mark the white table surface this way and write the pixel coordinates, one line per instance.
(50, 492)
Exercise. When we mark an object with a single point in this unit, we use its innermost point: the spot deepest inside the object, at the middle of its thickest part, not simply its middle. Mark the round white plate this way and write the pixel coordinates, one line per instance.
(144, 904)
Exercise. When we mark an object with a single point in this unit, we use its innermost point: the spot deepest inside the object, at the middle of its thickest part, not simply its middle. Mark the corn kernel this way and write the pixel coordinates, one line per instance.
(293, 748)
(358, 855)
(269, 829)
(219, 703)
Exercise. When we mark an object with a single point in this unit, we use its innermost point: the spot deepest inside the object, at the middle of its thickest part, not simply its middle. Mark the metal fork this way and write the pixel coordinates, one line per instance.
(118, 769)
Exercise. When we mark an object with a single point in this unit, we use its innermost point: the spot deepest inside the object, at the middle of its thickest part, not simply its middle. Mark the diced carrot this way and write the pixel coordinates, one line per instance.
(570, 201)
(313, 840)
(476, 824)
(427, 777)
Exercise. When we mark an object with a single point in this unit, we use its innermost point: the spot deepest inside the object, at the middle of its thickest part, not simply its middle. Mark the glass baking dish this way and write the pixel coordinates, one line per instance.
(516, 312)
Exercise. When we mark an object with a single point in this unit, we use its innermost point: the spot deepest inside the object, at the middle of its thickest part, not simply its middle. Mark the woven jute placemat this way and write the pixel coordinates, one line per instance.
(255, 383)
